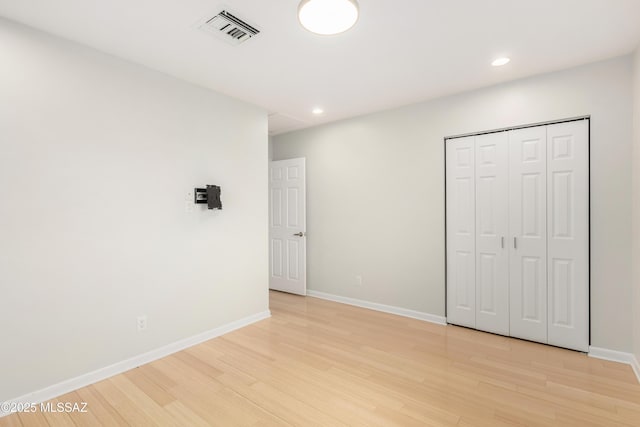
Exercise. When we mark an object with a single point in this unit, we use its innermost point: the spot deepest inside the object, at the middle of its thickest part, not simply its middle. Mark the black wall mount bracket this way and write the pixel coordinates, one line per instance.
(209, 196)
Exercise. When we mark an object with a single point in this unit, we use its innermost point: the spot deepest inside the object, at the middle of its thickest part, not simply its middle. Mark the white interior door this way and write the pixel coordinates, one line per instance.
(527, 225)
(461, 266)
(568, 234)
(492, 253)
(287, 226)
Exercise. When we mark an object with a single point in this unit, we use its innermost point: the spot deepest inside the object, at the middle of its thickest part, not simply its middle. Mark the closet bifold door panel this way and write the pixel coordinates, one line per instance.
(461, 266)
(492, 260)
(568, 234)
(528, 228)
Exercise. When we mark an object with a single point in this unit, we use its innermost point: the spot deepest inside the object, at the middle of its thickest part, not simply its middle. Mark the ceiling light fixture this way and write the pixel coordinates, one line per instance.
(327, 17)
(317, 111)
(500, 62)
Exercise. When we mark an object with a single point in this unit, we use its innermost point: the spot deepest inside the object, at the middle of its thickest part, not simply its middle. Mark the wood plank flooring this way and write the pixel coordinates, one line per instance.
(319, 363)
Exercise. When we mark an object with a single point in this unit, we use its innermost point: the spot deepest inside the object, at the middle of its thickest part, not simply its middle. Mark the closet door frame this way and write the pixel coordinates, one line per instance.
(551, 122)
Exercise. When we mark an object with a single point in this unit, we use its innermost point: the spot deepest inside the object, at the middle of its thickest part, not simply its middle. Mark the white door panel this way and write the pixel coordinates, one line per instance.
(528, 240)
(461, 287)
(287, 267)
(492, 269)
(568, 234)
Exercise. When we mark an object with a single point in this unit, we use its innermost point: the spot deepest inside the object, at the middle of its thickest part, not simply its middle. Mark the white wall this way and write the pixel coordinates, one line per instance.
(636, 204)
(376, 190)
(97, 156)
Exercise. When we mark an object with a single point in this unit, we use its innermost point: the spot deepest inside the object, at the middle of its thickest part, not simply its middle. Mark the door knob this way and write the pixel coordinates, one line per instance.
(300, 234)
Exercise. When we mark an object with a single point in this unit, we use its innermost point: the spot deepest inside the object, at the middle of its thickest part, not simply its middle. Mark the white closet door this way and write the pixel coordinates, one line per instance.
(492, 260)
(461, 286)
(528, 242)
(568, 234)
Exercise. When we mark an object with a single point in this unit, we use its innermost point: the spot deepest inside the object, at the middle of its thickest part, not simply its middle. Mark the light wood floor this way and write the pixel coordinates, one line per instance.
(319, 363)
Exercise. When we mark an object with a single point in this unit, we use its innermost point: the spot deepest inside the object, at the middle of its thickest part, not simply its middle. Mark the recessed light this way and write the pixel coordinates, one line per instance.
(327, 17)
(500, 62)
(317, 111)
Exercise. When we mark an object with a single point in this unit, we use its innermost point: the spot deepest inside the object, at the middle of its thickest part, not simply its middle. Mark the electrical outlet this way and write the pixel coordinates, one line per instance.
(142, 323)
(359, 280)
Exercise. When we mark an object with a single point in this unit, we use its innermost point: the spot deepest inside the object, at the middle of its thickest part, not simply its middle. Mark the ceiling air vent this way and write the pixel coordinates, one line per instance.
(229, 28)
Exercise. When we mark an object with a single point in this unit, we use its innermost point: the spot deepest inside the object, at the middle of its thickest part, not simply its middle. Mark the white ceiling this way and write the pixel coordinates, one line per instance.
(399, 52)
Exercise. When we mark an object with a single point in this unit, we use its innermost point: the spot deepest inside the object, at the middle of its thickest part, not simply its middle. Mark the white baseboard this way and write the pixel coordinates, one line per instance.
(84, 380)
(616, 356)
(440, 320)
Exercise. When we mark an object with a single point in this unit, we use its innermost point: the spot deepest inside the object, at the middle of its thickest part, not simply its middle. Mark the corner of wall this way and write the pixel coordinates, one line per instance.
(636, 205)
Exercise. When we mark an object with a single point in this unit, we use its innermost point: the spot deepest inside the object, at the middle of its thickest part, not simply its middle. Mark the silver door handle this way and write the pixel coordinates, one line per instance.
(502, 242)
(515, 243)
(300, 234)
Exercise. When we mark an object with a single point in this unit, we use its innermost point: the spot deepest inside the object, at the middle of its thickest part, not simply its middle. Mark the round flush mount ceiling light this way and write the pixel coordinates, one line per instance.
(327, 17)
(500, 62)
(317, 111)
